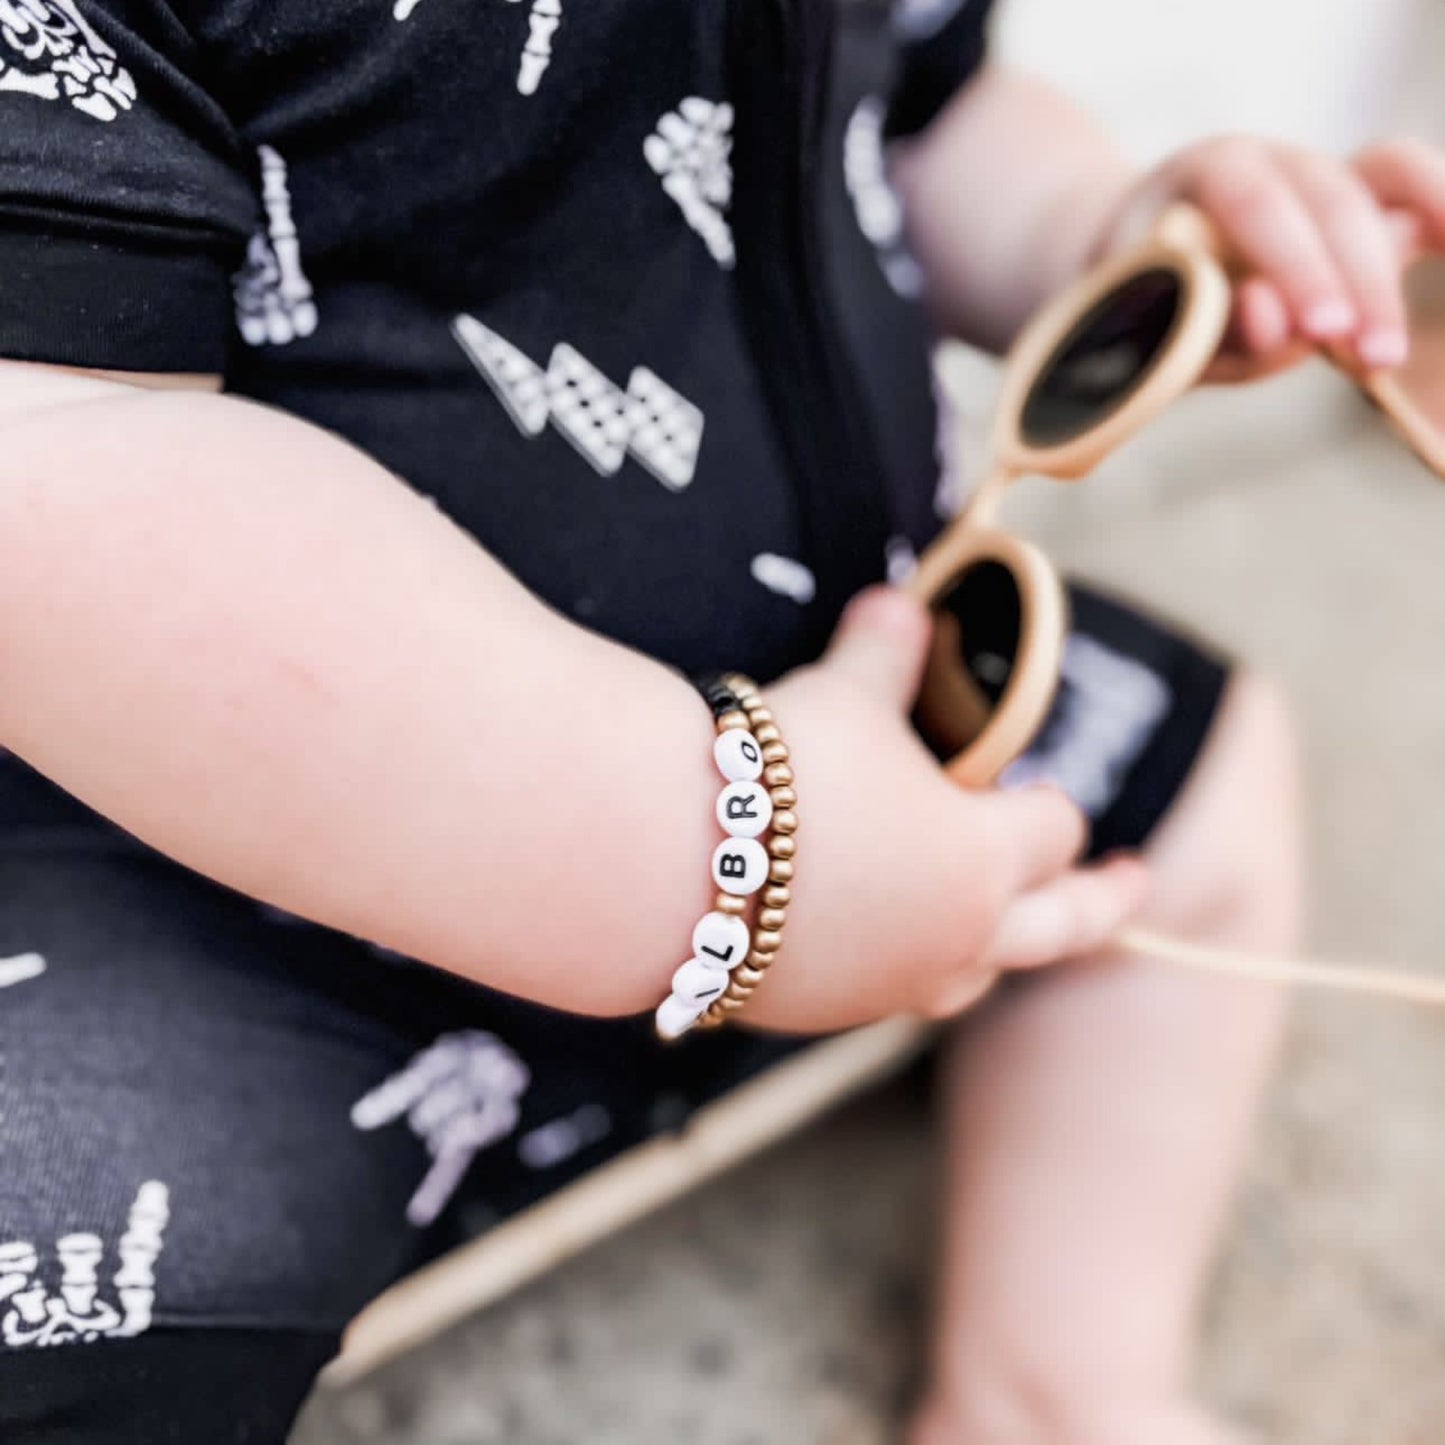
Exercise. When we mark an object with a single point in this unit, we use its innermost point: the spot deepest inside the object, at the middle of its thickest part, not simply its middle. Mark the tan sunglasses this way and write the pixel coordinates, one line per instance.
(1093, 367)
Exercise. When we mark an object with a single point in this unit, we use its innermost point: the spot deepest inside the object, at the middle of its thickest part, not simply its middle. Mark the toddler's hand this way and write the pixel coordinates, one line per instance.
(1327, 241)
(912, 895)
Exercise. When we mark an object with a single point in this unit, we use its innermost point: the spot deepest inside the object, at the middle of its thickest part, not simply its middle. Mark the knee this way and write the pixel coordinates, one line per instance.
(1228, 861)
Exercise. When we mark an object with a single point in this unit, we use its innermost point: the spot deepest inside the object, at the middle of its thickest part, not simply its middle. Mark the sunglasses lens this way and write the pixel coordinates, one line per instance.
(978, 624)
(1098, 365)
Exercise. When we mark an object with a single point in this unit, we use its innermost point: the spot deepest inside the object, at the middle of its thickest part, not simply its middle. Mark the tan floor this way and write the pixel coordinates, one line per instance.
(786, 1304)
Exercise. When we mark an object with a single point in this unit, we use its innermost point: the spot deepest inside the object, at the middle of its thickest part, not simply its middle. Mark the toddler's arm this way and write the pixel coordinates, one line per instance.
(246, 642)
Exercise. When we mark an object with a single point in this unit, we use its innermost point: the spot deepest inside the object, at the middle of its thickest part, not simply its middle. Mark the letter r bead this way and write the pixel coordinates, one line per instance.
(744, 809)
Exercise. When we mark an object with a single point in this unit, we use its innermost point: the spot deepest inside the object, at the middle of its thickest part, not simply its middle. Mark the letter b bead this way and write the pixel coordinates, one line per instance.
(739, 756)
(744, 809)
(740, 865)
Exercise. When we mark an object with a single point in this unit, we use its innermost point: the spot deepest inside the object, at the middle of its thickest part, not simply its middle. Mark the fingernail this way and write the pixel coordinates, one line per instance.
(1384, 347)
(1330, 318)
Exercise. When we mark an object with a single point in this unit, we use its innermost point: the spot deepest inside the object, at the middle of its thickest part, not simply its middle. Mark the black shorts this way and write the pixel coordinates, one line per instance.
(224, 1130)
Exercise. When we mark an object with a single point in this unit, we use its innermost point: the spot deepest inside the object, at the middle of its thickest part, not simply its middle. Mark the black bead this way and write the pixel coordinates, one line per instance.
(717, 694)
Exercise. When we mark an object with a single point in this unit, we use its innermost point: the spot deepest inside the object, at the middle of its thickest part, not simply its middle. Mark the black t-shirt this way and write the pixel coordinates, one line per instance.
(590, 273)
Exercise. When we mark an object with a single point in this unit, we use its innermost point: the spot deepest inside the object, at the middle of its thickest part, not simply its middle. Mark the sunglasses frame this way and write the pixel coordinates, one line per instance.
(1180, 244)
(1185, 243)
(1001, 730)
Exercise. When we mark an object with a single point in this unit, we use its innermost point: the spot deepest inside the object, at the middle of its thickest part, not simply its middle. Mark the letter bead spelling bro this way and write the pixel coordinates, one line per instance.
(739, 756)
(744, 809)
(757, 811)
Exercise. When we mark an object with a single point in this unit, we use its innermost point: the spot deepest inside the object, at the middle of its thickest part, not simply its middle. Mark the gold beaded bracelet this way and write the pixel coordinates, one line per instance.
(730, 959)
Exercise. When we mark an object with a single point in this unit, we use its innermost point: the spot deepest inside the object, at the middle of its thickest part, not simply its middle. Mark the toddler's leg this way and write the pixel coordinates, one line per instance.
(1096, 1117)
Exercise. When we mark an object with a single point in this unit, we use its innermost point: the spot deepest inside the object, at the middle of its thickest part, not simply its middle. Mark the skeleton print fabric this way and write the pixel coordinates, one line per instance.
(48, 50)
(691, 153)
(543, 19)
(274, 302)
(62, 1299)
(460, 1096)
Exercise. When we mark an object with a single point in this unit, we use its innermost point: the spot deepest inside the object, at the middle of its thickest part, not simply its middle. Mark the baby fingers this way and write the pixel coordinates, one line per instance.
(1076, 914)
(1354, 229)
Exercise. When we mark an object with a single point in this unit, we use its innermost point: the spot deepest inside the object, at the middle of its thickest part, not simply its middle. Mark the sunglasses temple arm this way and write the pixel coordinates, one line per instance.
(1385, 390)
(1339, 977)
(982, 507)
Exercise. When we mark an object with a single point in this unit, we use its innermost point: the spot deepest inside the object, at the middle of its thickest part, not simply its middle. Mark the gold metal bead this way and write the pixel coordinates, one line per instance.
(783, 797)
(785, 821)
(743, 688)
(747, 976)
(776, 753)
(729, 1003)
(767, 733)
(731, 904)
(777, 896)
(772, 918)
(760, 714)
(778, 775)
(760, 961)
(734, 719)
(767, 940)
(781, 871)
(782, 846)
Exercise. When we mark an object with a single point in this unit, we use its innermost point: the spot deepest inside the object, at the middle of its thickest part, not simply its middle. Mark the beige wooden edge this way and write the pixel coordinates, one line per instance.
(720, 1135)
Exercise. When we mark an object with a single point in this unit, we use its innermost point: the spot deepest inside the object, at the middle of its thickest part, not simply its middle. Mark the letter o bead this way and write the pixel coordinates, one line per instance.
(738, 755)
(740, 865)
(744, 809)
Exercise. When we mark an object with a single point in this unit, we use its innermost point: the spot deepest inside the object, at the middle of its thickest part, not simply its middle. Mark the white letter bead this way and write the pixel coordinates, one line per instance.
(739, 756)
(740, 866)
(744, 809)
(721, 941)
(696, 985)
(674, 1018)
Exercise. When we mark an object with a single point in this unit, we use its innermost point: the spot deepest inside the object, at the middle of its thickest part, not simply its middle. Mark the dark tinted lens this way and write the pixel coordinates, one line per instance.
(986, 603)
(1101, 361)
(979, 621)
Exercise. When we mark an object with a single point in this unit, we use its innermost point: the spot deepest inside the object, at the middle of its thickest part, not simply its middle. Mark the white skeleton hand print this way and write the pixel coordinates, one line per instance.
(48, 50)
(77, 1312)
(459, 1096)
(542, 22)
(274, 301)
(691, 150)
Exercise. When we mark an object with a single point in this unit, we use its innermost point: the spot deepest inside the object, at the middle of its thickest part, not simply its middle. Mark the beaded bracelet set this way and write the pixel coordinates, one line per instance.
(732, 946)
